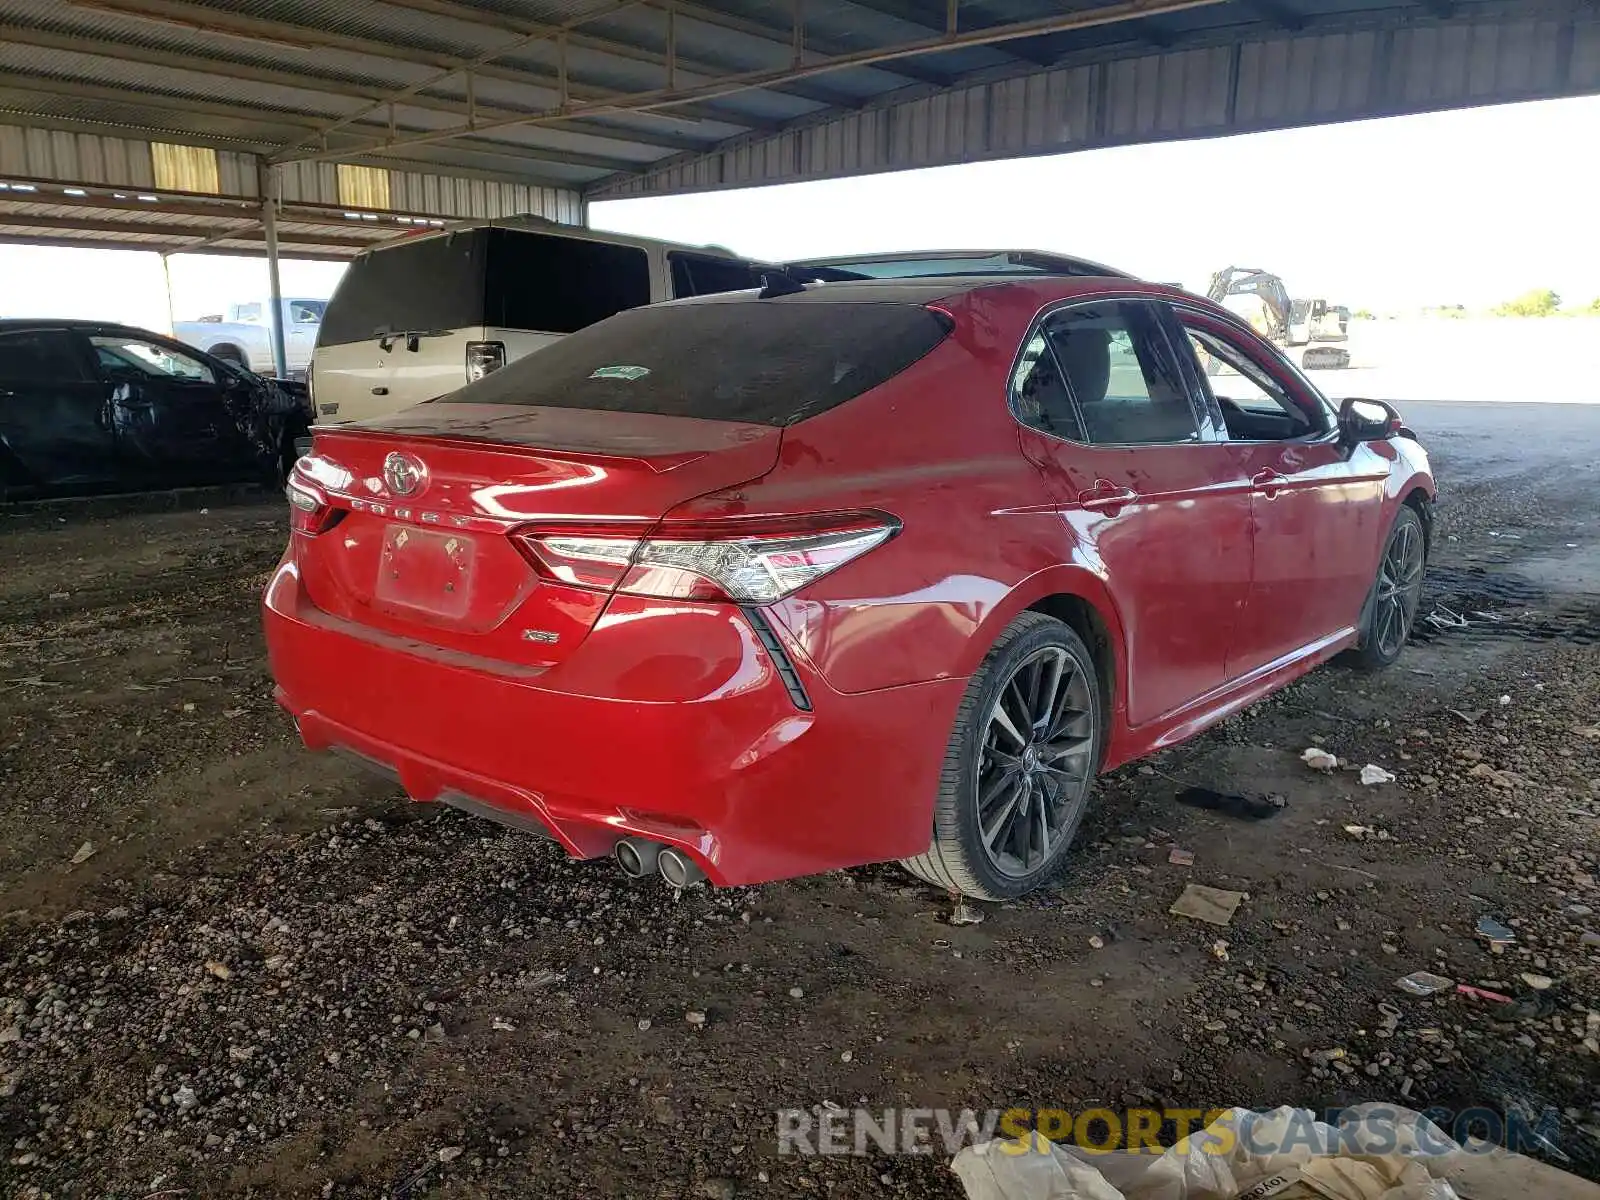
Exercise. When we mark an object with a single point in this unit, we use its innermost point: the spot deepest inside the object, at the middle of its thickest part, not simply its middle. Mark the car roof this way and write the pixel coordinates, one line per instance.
(17, 324)
(536, 224)
(1045, 289)
(1038, 262)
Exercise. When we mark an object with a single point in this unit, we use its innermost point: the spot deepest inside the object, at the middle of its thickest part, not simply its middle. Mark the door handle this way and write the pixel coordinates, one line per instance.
(1107, 497)
(1268, 483)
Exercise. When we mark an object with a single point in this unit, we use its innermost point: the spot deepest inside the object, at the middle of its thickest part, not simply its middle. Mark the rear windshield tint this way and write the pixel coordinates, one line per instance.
(560, 285)
(758, 361)
(511, 278)
(432, 284)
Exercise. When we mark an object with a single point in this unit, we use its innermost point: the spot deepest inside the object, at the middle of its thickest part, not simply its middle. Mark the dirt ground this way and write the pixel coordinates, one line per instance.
(229, 967)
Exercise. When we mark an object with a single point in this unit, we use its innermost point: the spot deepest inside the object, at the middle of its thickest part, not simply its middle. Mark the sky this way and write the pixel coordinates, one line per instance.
(1469, 207)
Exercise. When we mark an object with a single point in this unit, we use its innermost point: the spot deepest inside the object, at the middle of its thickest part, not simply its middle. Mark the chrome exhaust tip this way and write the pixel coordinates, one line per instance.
(678, 869)
(636, 856)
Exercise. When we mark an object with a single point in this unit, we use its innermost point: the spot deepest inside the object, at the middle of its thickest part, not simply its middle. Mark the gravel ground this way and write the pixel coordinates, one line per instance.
(228, 967)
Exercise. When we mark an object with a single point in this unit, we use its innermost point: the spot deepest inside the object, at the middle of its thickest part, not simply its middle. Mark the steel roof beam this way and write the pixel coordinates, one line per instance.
(814, 45)
(247, 233)
(1278, 13)
(269, 117)
(187, 15)
(89, 243)
(126, 197)
(600, 44)
(50, 39)
(907, 12)
(1108, 14)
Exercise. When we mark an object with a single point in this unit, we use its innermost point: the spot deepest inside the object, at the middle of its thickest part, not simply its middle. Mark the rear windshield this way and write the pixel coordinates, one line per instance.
(429, 285)
(760, 361)
(511, 278)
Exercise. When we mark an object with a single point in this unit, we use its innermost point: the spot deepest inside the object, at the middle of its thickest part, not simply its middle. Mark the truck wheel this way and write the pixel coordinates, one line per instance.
(232, 354)
(1019, 767)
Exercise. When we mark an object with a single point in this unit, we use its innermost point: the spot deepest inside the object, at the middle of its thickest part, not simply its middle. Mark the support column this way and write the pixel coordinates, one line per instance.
(268, 176)
(166, 275)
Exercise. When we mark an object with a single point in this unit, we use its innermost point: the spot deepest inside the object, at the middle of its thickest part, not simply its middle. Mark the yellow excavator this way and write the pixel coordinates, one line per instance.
(1261, 298)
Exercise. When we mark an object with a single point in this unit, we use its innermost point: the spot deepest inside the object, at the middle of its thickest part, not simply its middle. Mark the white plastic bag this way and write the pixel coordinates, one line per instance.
(1378, 1152)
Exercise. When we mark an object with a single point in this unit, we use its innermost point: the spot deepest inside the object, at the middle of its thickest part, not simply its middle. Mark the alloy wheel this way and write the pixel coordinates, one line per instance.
(1399, 589)
(1037, 764)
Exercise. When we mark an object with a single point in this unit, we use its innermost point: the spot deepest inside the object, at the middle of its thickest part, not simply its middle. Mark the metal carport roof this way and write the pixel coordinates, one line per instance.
(499, 106)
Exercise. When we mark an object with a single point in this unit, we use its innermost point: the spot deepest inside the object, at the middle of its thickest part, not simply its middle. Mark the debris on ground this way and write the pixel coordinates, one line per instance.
(1232, 804)
(1470, 716)
(83, 853)
(965, 914)
(1215, 906)
(1319, 759)
(1424, 983)
(1372, 774)
(1442, 618)
(1180, 857)
(1478, 993)
(1377, 1152)
(1538, 983)
(1495, 933)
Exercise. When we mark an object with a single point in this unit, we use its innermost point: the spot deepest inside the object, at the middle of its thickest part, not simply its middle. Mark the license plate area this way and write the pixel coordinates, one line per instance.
(426, 572)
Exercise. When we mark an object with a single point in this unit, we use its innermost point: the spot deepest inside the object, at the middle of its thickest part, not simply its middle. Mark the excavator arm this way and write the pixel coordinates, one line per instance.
(1266, 287)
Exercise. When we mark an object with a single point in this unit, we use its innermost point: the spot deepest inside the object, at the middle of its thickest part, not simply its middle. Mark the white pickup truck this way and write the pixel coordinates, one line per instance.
(245, 337)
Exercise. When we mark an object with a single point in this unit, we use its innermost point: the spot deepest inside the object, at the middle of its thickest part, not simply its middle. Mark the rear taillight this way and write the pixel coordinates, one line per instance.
(746, 561)
(309, 510)
(483, 357)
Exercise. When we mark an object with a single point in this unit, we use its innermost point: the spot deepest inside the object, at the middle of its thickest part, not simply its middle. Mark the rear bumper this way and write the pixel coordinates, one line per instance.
(735, 774)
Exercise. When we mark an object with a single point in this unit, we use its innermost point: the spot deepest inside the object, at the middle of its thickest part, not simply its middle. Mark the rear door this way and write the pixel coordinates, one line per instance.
(396, 330)
(169, 413)
(1315, 507)
(1154, 501)
(55, 432)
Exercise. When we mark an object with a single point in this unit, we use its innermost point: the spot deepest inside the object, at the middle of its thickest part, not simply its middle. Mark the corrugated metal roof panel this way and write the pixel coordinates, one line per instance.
(1381, 67)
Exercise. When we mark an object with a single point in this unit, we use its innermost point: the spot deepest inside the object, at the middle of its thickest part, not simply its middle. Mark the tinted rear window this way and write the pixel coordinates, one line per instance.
(505, 277)
(700, 275)
(760, 361)
(38, 355)
(560, 285)
(432, 284)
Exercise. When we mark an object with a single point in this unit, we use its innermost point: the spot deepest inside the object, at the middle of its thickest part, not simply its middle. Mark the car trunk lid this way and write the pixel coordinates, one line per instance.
(428, 504)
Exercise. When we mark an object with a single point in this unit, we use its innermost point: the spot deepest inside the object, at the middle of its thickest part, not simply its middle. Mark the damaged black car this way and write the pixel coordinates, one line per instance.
(88, 408)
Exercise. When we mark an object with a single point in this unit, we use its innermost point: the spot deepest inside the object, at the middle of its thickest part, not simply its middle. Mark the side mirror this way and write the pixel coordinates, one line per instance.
(1367, 421)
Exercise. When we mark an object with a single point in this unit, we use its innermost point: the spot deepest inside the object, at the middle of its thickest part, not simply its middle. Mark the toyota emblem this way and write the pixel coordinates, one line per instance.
(404, 474)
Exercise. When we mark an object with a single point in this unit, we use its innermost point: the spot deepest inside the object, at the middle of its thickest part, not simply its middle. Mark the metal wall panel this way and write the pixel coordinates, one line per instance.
(75, 157)
(85, 158)
(1381, 69)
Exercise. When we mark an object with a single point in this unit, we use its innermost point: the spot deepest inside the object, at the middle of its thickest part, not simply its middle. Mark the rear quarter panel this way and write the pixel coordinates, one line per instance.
(936, 447)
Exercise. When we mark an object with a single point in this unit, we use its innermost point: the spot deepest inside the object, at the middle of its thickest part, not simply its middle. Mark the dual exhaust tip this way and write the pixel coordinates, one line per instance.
(640, 858)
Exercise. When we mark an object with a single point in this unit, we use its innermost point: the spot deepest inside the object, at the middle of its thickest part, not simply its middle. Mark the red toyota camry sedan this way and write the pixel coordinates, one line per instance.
(763, 584)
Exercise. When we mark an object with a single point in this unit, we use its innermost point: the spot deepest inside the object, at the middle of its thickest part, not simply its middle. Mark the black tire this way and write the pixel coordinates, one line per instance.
(1396, 594)
(1027, 843)
(232, 354)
